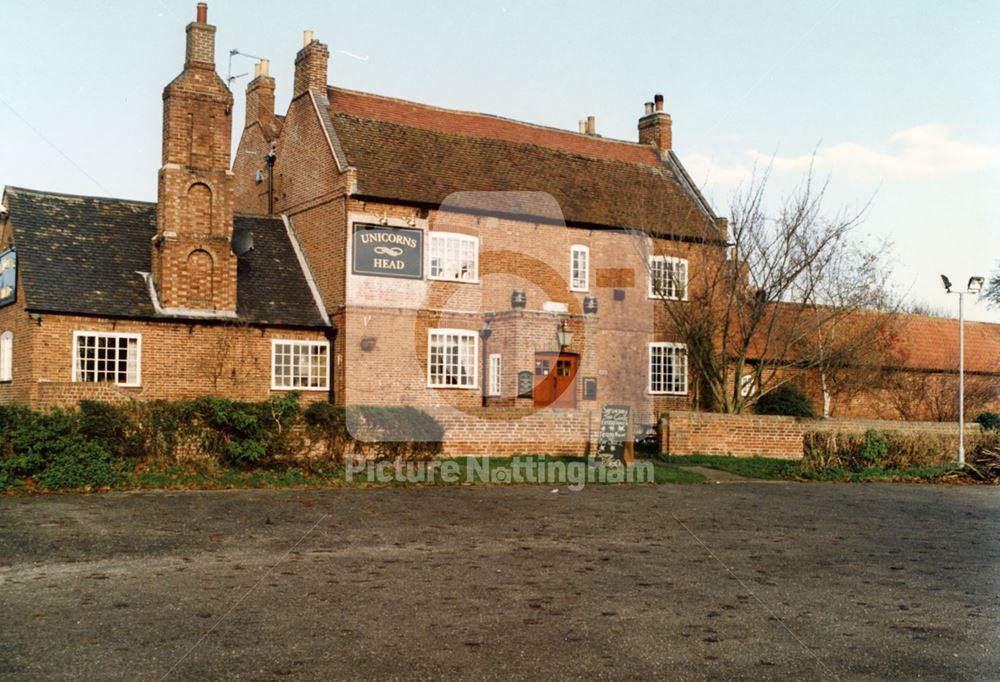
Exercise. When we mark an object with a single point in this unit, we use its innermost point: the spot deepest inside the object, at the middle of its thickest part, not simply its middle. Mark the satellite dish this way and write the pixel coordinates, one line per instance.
(242, 242)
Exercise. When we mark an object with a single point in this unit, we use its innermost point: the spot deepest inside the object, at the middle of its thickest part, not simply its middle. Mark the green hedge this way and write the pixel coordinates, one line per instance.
(94, 444)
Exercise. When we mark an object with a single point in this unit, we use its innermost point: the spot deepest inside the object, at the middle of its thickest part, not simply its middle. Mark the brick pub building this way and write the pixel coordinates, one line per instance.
(368, 250)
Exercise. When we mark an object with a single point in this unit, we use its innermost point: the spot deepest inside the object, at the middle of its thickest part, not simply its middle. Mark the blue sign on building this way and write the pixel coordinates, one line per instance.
(8, 277)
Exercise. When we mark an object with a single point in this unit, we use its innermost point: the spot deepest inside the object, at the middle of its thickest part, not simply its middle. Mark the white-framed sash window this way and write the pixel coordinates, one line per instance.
(668, 368)
(453, 257)
(495, 365)
(668, 277)
(579, 267)
(107, 357)
(300, 365)
(6, 356)
(452, 358)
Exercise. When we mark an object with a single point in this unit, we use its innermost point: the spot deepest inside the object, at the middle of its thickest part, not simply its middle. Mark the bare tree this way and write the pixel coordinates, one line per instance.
(851, 351)
(794, 293)
(933, 396)
(992, 291)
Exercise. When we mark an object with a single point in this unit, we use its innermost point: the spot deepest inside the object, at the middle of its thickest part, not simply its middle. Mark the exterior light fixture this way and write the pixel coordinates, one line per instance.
(564, 335)
(518, 299)
(486, 332)
(974, 286)
(590, 305)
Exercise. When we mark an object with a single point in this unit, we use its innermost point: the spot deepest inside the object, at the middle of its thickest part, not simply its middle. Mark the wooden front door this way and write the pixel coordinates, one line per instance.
(555, 379)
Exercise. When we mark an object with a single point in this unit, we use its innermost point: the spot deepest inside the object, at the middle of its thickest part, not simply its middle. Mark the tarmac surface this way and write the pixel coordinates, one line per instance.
(733, 581)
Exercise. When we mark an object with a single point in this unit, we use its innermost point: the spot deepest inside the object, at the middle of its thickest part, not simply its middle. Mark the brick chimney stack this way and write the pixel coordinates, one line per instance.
(655, 127)
(193, 266)
(310, 65)
(260, 95)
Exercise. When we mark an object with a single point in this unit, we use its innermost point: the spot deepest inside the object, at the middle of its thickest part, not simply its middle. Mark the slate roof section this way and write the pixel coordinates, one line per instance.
(80, 255)
(426, 166)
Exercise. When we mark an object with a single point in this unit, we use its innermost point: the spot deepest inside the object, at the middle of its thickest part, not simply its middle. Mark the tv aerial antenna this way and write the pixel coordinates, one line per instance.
(236, 53)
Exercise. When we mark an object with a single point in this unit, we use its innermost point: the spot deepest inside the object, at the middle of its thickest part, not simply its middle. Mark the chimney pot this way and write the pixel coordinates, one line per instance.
(658, 100)
(256, 70)
(649, 108)
(591, 125)
(265, 66)
(583, 127)
(307, 37)
(202, 13)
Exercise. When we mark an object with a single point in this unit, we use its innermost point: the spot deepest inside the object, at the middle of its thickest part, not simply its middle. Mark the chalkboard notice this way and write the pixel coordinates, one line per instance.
(525, 384)
(613, 436)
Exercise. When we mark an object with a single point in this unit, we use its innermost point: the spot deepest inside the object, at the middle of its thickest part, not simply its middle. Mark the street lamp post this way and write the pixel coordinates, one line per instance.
(974, 286)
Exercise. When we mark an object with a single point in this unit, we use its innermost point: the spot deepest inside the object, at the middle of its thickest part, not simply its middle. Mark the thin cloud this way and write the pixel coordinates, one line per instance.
(925, 151)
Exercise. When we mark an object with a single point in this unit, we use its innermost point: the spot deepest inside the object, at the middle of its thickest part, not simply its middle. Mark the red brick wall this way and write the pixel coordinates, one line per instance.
(178, 360)
(707, 433)
(506, 432)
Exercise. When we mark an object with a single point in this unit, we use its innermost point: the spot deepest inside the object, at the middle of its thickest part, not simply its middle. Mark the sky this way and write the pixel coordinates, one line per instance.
(895, 103)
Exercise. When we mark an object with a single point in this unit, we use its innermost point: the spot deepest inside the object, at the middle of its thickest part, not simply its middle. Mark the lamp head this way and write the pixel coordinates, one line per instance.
(947, 283)
(976, 284)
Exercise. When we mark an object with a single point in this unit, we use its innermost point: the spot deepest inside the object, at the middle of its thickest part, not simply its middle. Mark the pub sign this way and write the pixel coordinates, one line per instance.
(385, 251)
(8, 277)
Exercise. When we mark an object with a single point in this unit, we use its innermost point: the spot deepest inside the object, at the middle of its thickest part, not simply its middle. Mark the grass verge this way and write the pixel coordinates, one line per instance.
(767, 468)
(772, 468)
(532, 469)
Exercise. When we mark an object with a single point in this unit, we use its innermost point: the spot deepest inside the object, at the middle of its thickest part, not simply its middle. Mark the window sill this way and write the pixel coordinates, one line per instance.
(452, 280)
(655, 393)
(302, 389)
(453, 388)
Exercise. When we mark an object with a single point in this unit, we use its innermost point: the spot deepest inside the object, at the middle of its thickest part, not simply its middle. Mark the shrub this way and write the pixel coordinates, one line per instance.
(242, 433)
(874, 447)
(787, 400)
(326, 424)
(990, 421)
(52, 449)
(884, 449)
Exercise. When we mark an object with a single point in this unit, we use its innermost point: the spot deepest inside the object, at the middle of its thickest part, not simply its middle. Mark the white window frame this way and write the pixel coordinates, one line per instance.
(7, 356)
(77, 335)
(465, 334)
(299, 343)
(574, 281)
(665, 345)
(675, 261)
(495, 369)
(435, 238)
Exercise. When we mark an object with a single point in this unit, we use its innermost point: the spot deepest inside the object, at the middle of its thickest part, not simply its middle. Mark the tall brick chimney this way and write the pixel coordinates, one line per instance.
(260, 96)
(310, 65)
(194, 268)
(654, 126)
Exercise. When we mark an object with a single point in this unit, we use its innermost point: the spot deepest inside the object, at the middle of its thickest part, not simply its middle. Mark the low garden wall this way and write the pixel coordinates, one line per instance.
(507, 432)
(709, 433)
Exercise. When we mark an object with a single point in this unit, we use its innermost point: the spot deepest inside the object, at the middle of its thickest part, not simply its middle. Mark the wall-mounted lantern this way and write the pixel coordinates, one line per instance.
(590, 305)
(518, 299)
(564, 335)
